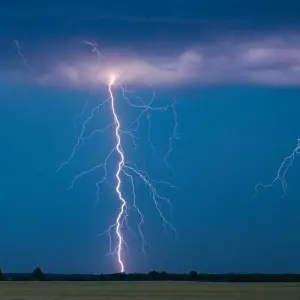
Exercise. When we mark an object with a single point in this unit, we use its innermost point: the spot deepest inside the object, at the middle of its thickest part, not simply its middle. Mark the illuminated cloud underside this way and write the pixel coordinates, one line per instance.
(269, 59)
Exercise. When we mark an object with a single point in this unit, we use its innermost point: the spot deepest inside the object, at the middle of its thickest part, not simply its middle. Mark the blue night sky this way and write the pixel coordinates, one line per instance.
(233, 135)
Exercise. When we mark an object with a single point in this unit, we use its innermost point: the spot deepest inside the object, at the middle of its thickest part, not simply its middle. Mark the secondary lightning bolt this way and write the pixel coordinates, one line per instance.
(24, 61)
(174, 136)
(281, 172)
(126, 168)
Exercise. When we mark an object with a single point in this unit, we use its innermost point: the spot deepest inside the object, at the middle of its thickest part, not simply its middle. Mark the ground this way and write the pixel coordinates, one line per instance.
(148, 291)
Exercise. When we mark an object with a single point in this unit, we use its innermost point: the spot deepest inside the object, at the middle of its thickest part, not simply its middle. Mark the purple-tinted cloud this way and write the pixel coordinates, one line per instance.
(268, 60)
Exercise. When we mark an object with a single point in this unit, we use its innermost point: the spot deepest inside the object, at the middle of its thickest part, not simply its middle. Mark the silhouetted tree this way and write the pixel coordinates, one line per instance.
(193, 275)
(102, 277)
(153, 275)
(118, 276)
(1, 275)
(38, 274)
(163, 275)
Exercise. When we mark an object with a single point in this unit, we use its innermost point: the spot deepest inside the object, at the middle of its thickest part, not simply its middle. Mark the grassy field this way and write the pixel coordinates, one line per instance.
(148, 290)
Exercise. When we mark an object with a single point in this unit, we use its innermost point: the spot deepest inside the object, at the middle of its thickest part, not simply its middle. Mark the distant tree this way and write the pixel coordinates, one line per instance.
(1, 275)
(153, 275)
(38, 274)
(102, 277)
(163, 275)
(119, 276)
(193, 275)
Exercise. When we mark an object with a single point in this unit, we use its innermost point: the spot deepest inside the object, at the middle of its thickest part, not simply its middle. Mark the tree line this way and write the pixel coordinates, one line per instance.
(38, 275)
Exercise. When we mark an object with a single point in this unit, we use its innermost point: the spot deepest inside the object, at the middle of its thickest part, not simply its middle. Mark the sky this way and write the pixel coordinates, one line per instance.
(233, 68)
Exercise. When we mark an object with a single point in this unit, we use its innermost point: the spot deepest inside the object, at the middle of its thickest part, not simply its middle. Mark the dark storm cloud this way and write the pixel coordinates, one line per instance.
(160, 42)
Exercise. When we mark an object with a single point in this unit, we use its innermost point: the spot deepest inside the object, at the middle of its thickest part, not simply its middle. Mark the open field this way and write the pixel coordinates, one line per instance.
(148, 291)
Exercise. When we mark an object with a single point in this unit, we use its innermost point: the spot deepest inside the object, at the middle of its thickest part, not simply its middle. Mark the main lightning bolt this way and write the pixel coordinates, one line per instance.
(120, 168)
(281, 172)
(126, 168)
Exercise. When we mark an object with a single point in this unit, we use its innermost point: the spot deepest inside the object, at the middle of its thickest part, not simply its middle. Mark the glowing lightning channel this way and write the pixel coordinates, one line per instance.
(120, 168)
(281, 172)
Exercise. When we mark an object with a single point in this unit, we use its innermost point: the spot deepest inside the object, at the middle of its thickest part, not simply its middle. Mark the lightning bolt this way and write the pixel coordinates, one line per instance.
(120, 168)
(284, 167)
(125, 168)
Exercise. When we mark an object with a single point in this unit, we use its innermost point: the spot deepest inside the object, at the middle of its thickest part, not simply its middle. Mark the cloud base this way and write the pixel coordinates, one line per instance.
(271, 59)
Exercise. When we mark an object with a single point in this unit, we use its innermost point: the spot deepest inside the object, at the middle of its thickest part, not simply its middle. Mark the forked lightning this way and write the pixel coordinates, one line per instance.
(126, 168)
(282, 172)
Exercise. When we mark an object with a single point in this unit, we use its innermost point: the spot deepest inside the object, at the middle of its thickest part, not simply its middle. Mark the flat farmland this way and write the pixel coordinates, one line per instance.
(148, 291)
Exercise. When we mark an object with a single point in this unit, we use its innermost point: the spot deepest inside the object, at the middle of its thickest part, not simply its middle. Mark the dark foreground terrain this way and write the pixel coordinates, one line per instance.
(148, 291)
